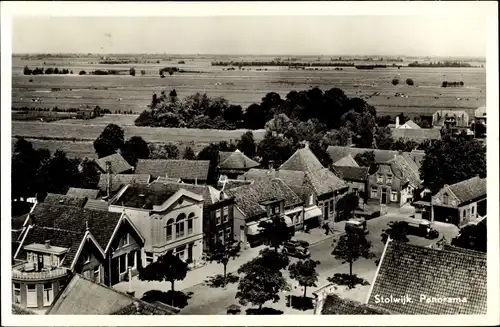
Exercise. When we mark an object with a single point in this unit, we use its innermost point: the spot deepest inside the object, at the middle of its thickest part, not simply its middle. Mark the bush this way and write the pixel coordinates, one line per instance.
(409, 81)
(82, 72)
(395, 81)
(444, 84)
(132, 71)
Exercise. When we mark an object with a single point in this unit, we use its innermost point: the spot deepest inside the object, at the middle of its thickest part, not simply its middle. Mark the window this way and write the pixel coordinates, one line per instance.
(472, 211)
(225, 215)
(228, 235)
(214, 239)
(331, 205)
(445, 198)
(379, 178)
(463, 213)
(374, 192)
(123, 264)
(311, 199)
(31, 301)
(131, 260)
(190, 223)
(86, 257)
(468, 212)
(47, 260)
(394, 196)
(48, 294)
(17, 293)
(179, 225)
(97, 274)
(355, 190)
(55, 261)
(180, 252)
(389, 179)
(125, 240)
(221, 236)
(218, 216)
(149, 257)
(170, 225)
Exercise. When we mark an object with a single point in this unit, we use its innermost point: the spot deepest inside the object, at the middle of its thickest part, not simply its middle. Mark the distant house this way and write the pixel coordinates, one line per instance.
(218, 209)
(67, 200)
(169, 217)
(234, 164)
(395, 180)
(410, 124)
(439, 282)
(260, 201)
(460, 203)
(189, 171)
(83, 296)
(326, 187)
(114, 164)
(416, 135)
(109, 184)
(83, 193)
(450, 119)
(88, 113)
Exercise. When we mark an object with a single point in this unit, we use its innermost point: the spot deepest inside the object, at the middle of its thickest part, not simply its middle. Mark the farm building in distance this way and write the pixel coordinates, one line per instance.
(88, 112)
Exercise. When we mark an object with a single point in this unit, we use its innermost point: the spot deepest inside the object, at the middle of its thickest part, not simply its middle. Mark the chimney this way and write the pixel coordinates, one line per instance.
(47, 244)
(397, 121)
(195, 181)
(108, 175)
(271, 164)
(306, 144)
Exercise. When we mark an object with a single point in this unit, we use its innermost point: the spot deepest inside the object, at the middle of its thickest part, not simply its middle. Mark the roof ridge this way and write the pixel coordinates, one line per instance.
(426, 248)
(59, 229)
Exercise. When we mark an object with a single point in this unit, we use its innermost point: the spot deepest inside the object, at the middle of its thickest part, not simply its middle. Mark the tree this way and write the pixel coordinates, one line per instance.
(404, 145)
(210, 153)
(82, 72)
(275, 232)
(263, 280)
(383, 138)
(233, 114)
(223, 252)
(25, 162)
(472, 237)
(397, 231)
(89, 176)
(163, 151)
(189, 154)
(173, 96)
(395, 81)
(111, 139)
(143, 72)
(409, 81)
(132, 71)
(367, 159)
(168, 268)
(27, 70)
(276, 148)
(135, 148)
(279, 125)
(246, 144)
(346, 205)
(350, 247)
(304, 272)
(451, 160)
(254, 117)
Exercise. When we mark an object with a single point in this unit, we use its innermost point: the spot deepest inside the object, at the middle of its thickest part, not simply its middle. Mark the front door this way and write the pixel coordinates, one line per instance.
(40, 262)
(384, 196)
(115, 275)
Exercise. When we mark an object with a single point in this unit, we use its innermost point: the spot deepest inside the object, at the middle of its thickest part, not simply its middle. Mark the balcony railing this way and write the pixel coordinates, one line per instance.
(20, 272)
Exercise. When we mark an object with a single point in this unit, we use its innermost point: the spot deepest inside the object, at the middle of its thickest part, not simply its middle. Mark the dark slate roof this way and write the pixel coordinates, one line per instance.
(120, 180)
(184, 169)
(324, 181)
(334, 305)
(358, 174)
(302, 160)
(406, 169)
(64, 238)
(85, 297)
(416, 135)
(96, 205)
(292, 178)
(210, 195)
(118, 163)
(339, 152)
(469, 189)
(67, 200)
(101, 223)
(232, 183)
(413, 270)
(83, 192)
(236, 160)
(248, 198)
(19, 310)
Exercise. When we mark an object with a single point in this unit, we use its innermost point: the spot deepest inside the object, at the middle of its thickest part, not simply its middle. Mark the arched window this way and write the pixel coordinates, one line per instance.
(190, 223)
(170, 225)
(179, 225)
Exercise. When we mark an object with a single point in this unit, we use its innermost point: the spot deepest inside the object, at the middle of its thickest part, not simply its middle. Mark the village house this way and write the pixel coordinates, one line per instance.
(234, 164)
(115, 164)
(439, 282)
(218, 210)
(169, 216)
(355, 176)
(260, 201)
(460, 203)
(88, 112)
(410, 131)
(298, 183)
(326, 186)
(396, 178)
(83, 296)
(450, 118)
(61, 239)
(188, 171)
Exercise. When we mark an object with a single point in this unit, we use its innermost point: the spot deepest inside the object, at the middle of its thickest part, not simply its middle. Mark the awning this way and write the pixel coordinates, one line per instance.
(312, 213)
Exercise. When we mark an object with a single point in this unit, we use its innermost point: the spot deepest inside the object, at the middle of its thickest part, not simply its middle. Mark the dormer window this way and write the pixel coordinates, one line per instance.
(445, 198)
(389, 179)
(379, 178)
(125, 240)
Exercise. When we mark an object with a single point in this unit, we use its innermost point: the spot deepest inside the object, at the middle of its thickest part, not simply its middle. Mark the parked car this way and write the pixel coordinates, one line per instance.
(420, 227)
(356, 224)
(294, 249)
(304, 244)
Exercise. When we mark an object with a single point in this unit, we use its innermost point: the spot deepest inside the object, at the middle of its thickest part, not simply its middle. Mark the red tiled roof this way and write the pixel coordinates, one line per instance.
(442, 276)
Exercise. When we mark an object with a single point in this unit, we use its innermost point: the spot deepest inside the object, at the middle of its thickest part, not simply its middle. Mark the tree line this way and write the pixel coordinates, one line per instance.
(46, 71)
(281, 63)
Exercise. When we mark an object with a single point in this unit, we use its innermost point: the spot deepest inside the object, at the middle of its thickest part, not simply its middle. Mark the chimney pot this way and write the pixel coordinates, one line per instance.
(47, 244)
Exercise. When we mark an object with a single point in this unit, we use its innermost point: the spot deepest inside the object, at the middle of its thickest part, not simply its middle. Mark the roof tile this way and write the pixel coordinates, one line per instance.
(118, 163)
(68, 200)
(183, 169)
(83, 192)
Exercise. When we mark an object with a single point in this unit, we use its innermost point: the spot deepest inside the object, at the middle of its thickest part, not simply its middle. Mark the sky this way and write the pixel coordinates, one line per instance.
(420, 35)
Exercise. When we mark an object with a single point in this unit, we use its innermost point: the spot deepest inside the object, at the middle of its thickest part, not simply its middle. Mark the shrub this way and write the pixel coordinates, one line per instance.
(82, 72)
(132, 71)
(395, 81)
(444, 84)
(409, 81)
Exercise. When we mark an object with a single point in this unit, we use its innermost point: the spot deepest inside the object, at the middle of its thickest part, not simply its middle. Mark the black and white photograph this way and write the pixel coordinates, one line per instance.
(247, 161)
